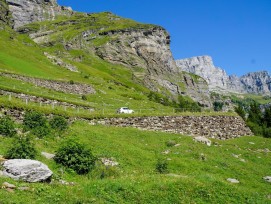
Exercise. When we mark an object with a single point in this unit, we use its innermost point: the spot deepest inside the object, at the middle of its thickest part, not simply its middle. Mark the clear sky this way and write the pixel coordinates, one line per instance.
(236, 33)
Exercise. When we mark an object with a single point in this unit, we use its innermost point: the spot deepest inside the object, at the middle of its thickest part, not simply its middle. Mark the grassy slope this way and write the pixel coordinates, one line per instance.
(198, 181)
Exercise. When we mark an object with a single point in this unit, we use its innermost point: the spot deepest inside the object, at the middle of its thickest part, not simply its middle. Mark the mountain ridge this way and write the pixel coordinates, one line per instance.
(218, 80)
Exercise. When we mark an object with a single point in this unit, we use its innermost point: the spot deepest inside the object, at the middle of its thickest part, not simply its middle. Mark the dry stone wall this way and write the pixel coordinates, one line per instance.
(66, 87)
(219, 127)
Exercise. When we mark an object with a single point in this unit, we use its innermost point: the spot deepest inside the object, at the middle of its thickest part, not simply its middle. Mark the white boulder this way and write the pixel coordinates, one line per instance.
(27, 170)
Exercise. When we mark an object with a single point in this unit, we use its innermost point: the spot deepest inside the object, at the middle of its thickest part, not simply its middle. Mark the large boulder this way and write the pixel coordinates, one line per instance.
(27, 170)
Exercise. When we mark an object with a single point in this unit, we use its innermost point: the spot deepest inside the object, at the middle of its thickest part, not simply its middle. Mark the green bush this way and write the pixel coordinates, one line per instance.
(84, 97)
(41, 131)
(59, 123)
(267, 132)
(33, 119)
(162, 166)
(22, 148)
(7, 126)
(218, 105)
(171, 143)
(75, 156)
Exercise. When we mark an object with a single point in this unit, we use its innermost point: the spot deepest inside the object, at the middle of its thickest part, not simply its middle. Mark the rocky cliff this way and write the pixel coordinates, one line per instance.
(28, 11)
(218, 80)
(143, 48)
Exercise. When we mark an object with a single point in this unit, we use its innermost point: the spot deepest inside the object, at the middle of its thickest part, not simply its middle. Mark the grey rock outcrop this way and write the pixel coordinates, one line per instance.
(29, 11)
(203, 66)
(27, 170)
(219, 81)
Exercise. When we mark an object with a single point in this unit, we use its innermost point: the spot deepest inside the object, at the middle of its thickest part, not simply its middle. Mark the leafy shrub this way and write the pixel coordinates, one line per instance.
(267, 132)
(22, 148)
(59, 123)
(171, 143)
(240, 111)
(41, 131)
(84, 97)
(218, 105)
(7, 126)
(75, 156)
(33, 119)
(71, 82)
(162, 166)
(255, 128)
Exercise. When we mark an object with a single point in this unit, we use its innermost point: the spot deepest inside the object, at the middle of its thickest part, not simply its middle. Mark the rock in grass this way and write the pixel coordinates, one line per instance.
(231, 180)
(8, 185)
(48, 155)
(267, 178)
(203, 140)
(26, 170)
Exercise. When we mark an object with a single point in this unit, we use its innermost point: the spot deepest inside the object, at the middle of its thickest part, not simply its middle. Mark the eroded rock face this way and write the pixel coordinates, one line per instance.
(218, 80)
(147, 48)
(203, 66)
(29, 11)
(27, 170)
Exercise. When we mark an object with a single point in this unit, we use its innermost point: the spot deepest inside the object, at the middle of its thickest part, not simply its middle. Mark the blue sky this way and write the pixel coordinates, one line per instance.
(236, 33)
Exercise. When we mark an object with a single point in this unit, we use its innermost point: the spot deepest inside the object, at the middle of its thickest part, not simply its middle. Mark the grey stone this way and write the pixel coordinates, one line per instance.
(48, 155)
(8, 185)
(231, 180)
(27, 170)
(203, 140)
(267, 178)
(109, 162)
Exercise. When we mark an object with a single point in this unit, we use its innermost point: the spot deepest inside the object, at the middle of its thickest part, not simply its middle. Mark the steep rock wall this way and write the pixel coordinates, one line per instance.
(218, 80)
(29, 11)
(5, 14)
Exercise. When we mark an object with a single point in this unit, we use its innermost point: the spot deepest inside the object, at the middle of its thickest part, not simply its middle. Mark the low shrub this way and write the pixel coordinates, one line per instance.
(22, 148)
(7, 127)
(171, 143)
(33, 119)
(75, 156)
(162, 166)
(84, 97)
(59, 123)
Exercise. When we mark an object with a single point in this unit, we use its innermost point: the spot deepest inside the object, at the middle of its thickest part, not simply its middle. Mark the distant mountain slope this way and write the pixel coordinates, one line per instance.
(218, 80)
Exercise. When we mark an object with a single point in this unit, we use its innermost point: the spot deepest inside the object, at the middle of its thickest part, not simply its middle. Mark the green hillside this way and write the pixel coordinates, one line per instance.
(197, 173)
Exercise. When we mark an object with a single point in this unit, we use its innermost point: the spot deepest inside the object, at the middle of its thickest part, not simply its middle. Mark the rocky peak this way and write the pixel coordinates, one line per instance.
(218, 80)
(29, 11)
(203, 66)
(5, 14)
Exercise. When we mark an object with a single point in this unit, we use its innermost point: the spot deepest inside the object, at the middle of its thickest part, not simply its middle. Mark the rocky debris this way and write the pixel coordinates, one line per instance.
(109, 162)
(62, 182)
(8, 185)
(252, 143)
(266, 150)
(203, 140)
(219, 127)
(166, 152)
(24, 188)
(27, 170)
(42, 101)
(29, 11)
(57, 61)
(232, 180)
(267, 178)
(48, 155)
(66, 87)
(219, 81)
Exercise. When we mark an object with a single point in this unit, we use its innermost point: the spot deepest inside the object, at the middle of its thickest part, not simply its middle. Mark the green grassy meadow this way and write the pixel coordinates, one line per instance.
(197, 173)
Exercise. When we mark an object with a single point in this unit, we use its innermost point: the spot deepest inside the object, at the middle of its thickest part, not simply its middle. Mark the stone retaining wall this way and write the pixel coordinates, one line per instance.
(66, 87)
(219, 127)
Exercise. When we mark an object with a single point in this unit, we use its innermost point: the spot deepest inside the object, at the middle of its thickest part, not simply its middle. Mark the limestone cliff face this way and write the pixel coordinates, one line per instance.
(218, 80)
(29, 11)
(257, 82)
(147, 49)
(203, 66)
